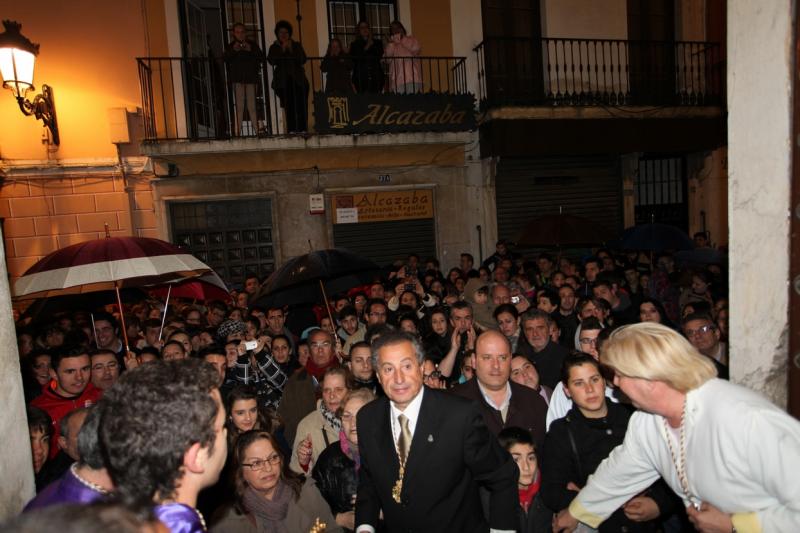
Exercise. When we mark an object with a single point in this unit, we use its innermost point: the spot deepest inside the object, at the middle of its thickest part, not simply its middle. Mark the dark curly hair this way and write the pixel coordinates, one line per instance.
(151, 416)
(292, 479)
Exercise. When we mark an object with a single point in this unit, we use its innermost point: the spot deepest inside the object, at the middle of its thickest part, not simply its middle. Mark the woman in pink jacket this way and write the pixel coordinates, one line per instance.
(405, 71)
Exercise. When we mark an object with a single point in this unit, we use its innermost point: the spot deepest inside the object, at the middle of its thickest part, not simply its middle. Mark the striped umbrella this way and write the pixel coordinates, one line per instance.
(111, 263)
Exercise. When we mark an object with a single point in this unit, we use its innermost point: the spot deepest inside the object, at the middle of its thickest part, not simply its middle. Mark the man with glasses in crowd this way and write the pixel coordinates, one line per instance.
(300, 392)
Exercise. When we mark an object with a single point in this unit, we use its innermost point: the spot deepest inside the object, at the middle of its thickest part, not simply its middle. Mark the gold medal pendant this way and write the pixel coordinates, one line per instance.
(397, 490)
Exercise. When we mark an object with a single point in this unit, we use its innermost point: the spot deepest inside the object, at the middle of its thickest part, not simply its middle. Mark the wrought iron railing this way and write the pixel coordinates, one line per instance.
(599, 72)
(192, 97)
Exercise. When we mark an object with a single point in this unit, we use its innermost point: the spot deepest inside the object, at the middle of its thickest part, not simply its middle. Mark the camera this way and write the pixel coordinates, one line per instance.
(250, 345)
(515, 299)
(409, 287)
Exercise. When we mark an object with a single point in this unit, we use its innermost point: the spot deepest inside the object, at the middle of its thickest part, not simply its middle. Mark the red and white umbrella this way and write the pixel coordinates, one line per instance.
(111, 263)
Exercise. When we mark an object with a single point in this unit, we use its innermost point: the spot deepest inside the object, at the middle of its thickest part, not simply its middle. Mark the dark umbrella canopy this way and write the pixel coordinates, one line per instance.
(297, 280)
(562, 230)
(655, 237)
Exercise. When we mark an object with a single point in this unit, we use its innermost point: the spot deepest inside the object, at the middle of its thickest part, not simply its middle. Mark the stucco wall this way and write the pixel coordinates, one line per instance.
(759, 126)
(87, 56)
(16, 468)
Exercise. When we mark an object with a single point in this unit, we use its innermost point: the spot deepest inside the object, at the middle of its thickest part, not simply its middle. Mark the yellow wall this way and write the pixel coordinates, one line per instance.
(585, 19)
(87, 56)
(287, 10)
(430, 22)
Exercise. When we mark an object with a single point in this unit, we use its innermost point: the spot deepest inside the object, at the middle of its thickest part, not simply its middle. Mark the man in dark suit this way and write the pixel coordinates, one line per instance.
(502, 402)
(431, 486)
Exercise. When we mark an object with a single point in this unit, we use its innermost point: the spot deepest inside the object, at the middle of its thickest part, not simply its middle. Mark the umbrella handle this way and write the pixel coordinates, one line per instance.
(327, 306)
(164, 314)
(122, 320)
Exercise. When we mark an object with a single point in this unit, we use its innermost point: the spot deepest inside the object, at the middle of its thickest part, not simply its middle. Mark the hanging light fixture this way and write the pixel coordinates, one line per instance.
(17, 59)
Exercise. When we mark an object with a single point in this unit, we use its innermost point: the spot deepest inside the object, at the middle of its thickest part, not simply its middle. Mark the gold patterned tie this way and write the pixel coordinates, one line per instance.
(404, 440)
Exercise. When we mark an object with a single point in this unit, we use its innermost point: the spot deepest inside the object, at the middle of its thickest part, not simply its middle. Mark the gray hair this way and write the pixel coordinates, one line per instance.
(89, 449)
(396, 337)
(533, 314)
(63, 424)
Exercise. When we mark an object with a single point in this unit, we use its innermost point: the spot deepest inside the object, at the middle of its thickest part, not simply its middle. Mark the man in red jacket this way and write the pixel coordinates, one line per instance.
(69, 388)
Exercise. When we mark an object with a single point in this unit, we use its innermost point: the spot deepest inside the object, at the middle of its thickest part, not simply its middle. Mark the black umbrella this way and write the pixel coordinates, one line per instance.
(655, 237)
(562, 230)
(301, 279)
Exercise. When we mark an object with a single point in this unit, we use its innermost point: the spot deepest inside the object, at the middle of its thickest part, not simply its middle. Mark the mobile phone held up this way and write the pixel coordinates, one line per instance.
(515, 299)
(250, 345)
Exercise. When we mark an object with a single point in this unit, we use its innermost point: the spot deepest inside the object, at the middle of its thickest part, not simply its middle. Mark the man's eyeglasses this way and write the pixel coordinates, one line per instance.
(701, 330)
(259, 464)
(377, 314)
(323, 344)
(586, 340)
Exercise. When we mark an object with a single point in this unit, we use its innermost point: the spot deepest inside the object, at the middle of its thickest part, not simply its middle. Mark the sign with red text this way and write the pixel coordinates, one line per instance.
(382, 206)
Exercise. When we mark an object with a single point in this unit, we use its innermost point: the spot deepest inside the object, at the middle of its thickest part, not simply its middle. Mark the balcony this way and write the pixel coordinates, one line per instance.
(191, 99)
(599, 72)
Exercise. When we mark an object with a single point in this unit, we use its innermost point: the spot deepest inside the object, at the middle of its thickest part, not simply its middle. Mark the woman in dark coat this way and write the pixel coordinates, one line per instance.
(577, 444)
(366, 52)
(336, 470)
(337, 65)
(289, 77)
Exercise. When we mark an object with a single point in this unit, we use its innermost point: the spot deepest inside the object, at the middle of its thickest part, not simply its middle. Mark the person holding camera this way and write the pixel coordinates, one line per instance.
(405, 70)
(244, 59)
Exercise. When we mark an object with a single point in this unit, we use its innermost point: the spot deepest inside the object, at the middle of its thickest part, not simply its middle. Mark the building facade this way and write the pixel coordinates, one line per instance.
(608, 109)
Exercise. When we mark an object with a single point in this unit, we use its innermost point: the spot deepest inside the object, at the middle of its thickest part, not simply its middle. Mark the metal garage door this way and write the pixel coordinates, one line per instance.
(530, 187)
(386, 242)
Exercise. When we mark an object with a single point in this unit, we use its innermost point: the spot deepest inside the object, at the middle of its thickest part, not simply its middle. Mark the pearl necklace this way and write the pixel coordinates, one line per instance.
(680, 462)
(86, 483)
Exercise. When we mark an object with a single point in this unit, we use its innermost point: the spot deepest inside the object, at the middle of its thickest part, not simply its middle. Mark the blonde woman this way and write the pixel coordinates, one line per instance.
(730, 454)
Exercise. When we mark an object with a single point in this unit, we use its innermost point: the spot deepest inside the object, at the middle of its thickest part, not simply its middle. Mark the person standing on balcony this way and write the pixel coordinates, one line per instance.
(289, 77)
(337, 65)
(405, 71)
(243, 58)
(366, 53)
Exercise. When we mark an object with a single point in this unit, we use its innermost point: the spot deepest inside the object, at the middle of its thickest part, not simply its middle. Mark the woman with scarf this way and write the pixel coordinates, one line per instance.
(270, 497)
(336, 471)
(321, 426)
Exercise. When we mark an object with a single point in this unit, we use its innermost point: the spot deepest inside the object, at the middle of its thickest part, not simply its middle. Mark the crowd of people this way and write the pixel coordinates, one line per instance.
(363, 66)
(387, 407)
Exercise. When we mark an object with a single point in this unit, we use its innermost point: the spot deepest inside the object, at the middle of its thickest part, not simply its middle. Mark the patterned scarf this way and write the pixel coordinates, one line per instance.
(331, 418)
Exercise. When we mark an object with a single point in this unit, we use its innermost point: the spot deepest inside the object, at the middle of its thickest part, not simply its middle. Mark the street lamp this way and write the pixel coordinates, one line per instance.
(17, 58)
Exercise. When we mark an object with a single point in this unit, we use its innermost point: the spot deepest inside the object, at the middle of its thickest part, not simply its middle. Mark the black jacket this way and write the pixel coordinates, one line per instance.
(548, 362)
(367, 69)
(526, 410)
(593, 441)
(452, 453)
(243, 65)
(338, 70)
(336, 477)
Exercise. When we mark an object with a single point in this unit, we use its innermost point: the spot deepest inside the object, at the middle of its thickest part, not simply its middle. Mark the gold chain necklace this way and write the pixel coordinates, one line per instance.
(398, 485)
(680, 462)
